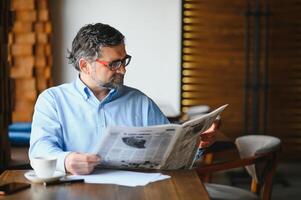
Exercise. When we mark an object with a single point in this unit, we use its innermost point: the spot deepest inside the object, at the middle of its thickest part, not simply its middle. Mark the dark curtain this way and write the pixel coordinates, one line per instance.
(5, 24)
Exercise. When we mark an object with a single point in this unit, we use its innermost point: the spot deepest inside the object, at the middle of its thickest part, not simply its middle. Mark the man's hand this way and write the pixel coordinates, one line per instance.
(81, 163)
(209, 136)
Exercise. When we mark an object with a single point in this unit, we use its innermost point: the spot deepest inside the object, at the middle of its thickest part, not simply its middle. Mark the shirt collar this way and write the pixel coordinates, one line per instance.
(82, 88)
(86, 92)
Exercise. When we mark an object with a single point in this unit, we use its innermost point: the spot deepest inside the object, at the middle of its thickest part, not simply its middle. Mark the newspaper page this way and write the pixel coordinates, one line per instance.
(185, 149)
(137, 147)
(169, 146)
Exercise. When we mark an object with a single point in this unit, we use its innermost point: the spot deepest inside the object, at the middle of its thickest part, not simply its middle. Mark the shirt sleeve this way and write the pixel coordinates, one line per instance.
(46, 135)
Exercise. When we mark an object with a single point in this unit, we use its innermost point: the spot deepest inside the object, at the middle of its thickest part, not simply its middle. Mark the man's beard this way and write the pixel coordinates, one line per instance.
(115, 82)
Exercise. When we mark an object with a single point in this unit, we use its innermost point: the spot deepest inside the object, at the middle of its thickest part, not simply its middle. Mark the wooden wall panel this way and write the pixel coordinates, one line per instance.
(30, 55)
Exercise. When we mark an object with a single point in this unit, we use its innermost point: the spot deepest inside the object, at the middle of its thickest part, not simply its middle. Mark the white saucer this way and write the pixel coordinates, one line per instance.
(30, 175)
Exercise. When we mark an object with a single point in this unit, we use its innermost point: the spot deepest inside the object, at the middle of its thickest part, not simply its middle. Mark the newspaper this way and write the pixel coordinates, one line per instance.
(169, 146)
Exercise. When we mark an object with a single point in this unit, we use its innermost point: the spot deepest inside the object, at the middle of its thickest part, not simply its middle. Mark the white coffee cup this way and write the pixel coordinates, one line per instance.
(44, 167)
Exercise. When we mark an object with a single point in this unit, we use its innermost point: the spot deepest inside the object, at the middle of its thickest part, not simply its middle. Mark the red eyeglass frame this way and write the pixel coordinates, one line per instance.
(108, 64)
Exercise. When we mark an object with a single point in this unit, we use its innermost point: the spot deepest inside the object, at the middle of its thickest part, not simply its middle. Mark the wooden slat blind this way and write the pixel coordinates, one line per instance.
(218, 65)
(285, 75)
(213, 58)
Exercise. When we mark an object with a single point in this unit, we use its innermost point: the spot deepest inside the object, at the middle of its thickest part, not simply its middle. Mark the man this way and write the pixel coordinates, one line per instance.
(69, 119)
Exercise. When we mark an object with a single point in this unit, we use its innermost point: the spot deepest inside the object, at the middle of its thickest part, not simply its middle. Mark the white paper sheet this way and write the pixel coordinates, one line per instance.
(120, 177)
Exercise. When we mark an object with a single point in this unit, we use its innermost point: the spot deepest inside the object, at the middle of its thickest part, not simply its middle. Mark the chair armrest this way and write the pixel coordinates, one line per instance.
(224, 165)
(232, 164)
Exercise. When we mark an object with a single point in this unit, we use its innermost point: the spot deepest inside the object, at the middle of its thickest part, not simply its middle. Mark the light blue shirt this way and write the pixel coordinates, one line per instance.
(69, 118)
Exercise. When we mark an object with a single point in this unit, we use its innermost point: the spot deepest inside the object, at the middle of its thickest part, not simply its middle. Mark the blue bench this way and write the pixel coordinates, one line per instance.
(19, 133)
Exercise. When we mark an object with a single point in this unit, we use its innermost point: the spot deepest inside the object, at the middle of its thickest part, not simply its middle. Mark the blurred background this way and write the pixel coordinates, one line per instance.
(185, 53)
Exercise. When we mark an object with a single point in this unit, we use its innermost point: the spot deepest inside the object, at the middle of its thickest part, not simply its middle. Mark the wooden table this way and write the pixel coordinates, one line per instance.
(184, 184)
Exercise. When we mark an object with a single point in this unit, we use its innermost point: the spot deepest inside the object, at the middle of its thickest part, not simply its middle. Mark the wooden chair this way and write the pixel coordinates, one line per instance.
(259, 155)
(222, 148)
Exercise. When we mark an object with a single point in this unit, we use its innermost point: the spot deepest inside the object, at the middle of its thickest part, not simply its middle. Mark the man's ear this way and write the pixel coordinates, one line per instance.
(84, 66)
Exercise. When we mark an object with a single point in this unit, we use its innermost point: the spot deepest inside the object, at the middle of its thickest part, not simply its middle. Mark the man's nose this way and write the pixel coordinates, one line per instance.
(121, 69)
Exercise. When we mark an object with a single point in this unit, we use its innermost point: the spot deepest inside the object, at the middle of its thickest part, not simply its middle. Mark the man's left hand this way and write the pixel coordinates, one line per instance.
(209, 136)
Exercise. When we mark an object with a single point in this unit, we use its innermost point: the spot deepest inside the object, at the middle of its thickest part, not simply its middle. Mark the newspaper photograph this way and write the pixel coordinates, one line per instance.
(170, 146)
(137, 147)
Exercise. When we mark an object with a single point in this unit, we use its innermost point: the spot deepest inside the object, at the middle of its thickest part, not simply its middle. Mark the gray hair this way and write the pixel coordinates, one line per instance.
(90, 39)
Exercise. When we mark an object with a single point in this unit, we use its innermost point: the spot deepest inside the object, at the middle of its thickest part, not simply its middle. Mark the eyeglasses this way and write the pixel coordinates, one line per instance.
(116, 64)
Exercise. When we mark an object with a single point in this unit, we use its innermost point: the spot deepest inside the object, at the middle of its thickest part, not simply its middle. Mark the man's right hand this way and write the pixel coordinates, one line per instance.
(81, 163)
